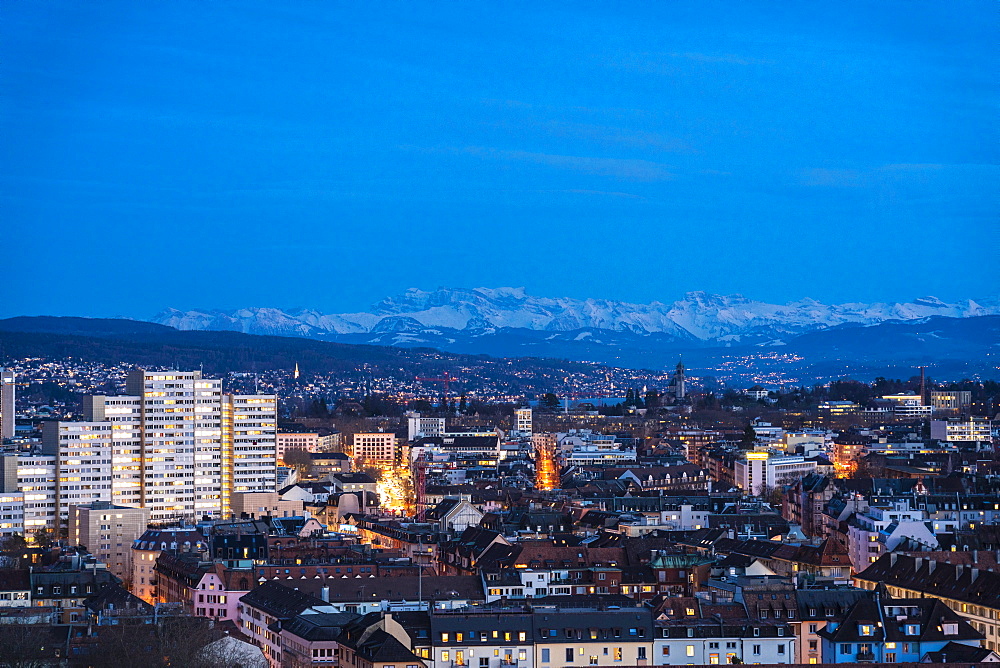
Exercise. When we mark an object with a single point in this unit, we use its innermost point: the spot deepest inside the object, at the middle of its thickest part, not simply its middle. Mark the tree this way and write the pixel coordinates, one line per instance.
(463, 405)
(652, 398)
(24, 645)
(43, 538)
(749, 436)
(773, 495)
(709, 402)
(13, 543)
(176, 641)
(847, 389)
(298, 459)
(318, 408)
(550, 401)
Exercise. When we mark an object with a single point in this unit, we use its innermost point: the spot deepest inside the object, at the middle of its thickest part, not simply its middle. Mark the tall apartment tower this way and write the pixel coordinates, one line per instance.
(181, 447)
(33, 478)
(523, 418)
(249, 445)
(83, 463)
(7, 380)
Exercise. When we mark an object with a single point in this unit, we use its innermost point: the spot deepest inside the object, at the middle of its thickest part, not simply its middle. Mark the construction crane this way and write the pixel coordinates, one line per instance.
(420, 466)
(446, 379)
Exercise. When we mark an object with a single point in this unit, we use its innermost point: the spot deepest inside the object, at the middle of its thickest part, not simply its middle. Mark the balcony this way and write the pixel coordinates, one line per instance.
(866, 655)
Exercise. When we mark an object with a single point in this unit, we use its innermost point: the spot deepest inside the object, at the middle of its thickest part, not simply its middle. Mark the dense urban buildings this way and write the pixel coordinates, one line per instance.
(668, 531)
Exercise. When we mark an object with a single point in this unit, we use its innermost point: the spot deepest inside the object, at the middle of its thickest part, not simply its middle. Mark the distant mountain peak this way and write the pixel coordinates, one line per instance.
(698, 318)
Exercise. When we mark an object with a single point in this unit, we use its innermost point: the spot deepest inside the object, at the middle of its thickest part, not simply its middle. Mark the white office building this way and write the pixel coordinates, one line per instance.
(762, 470)
(957, 430)
(418, 426)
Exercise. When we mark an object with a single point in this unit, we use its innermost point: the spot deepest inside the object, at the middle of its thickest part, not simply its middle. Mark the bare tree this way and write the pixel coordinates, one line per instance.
(25, 645)
(298, 459)
(192, 642)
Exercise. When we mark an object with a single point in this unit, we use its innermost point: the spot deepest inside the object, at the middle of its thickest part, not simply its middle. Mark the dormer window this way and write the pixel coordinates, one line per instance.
(912, 629)
(865, 629)
(950, 629)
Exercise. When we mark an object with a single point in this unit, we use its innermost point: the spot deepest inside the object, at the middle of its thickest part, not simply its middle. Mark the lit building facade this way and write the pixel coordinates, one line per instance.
(27, 493)
(374, 447)
(307, 442)
(523, 420)
(36, 479)
(83, 462)
(418, 427)
(972, 429)
(11, 513)
(180, 447)
(908, 405)
(108, 531)
(759, 471)
(951, 401)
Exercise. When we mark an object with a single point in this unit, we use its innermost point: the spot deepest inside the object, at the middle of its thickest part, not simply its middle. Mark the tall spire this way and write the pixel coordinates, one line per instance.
(680, 391)
(295, 374)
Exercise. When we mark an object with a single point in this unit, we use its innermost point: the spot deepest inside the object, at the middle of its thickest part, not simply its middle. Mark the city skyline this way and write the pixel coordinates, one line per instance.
(326, 157)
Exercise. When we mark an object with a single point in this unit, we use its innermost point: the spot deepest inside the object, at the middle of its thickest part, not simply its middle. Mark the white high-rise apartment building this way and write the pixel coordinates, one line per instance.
(181, 446)
(36, 479)
(523, 417)
(7, 381)
(83, 462)
(249, 432)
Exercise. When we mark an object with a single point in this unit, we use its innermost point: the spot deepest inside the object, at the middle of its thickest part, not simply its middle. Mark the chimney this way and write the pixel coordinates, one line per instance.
(918, 563)
(892, 559)
(959, 568)
(324, 594)
(975, 557)
(975, 574)
(931, 565)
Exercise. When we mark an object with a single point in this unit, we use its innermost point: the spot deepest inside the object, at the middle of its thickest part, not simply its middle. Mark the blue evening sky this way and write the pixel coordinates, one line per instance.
(324, 154)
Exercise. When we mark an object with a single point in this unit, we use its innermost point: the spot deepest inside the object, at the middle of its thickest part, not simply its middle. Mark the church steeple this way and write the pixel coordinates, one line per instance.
(680, 391)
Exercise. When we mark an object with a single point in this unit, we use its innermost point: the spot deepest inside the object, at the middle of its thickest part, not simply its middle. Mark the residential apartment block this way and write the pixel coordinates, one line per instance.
(176, 445)
(108, 531)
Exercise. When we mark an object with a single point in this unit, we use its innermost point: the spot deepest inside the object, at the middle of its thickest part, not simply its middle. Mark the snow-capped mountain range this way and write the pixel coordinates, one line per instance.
(457, 318)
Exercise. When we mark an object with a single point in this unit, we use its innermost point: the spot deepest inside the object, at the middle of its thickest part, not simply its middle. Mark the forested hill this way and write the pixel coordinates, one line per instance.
(111, 341)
